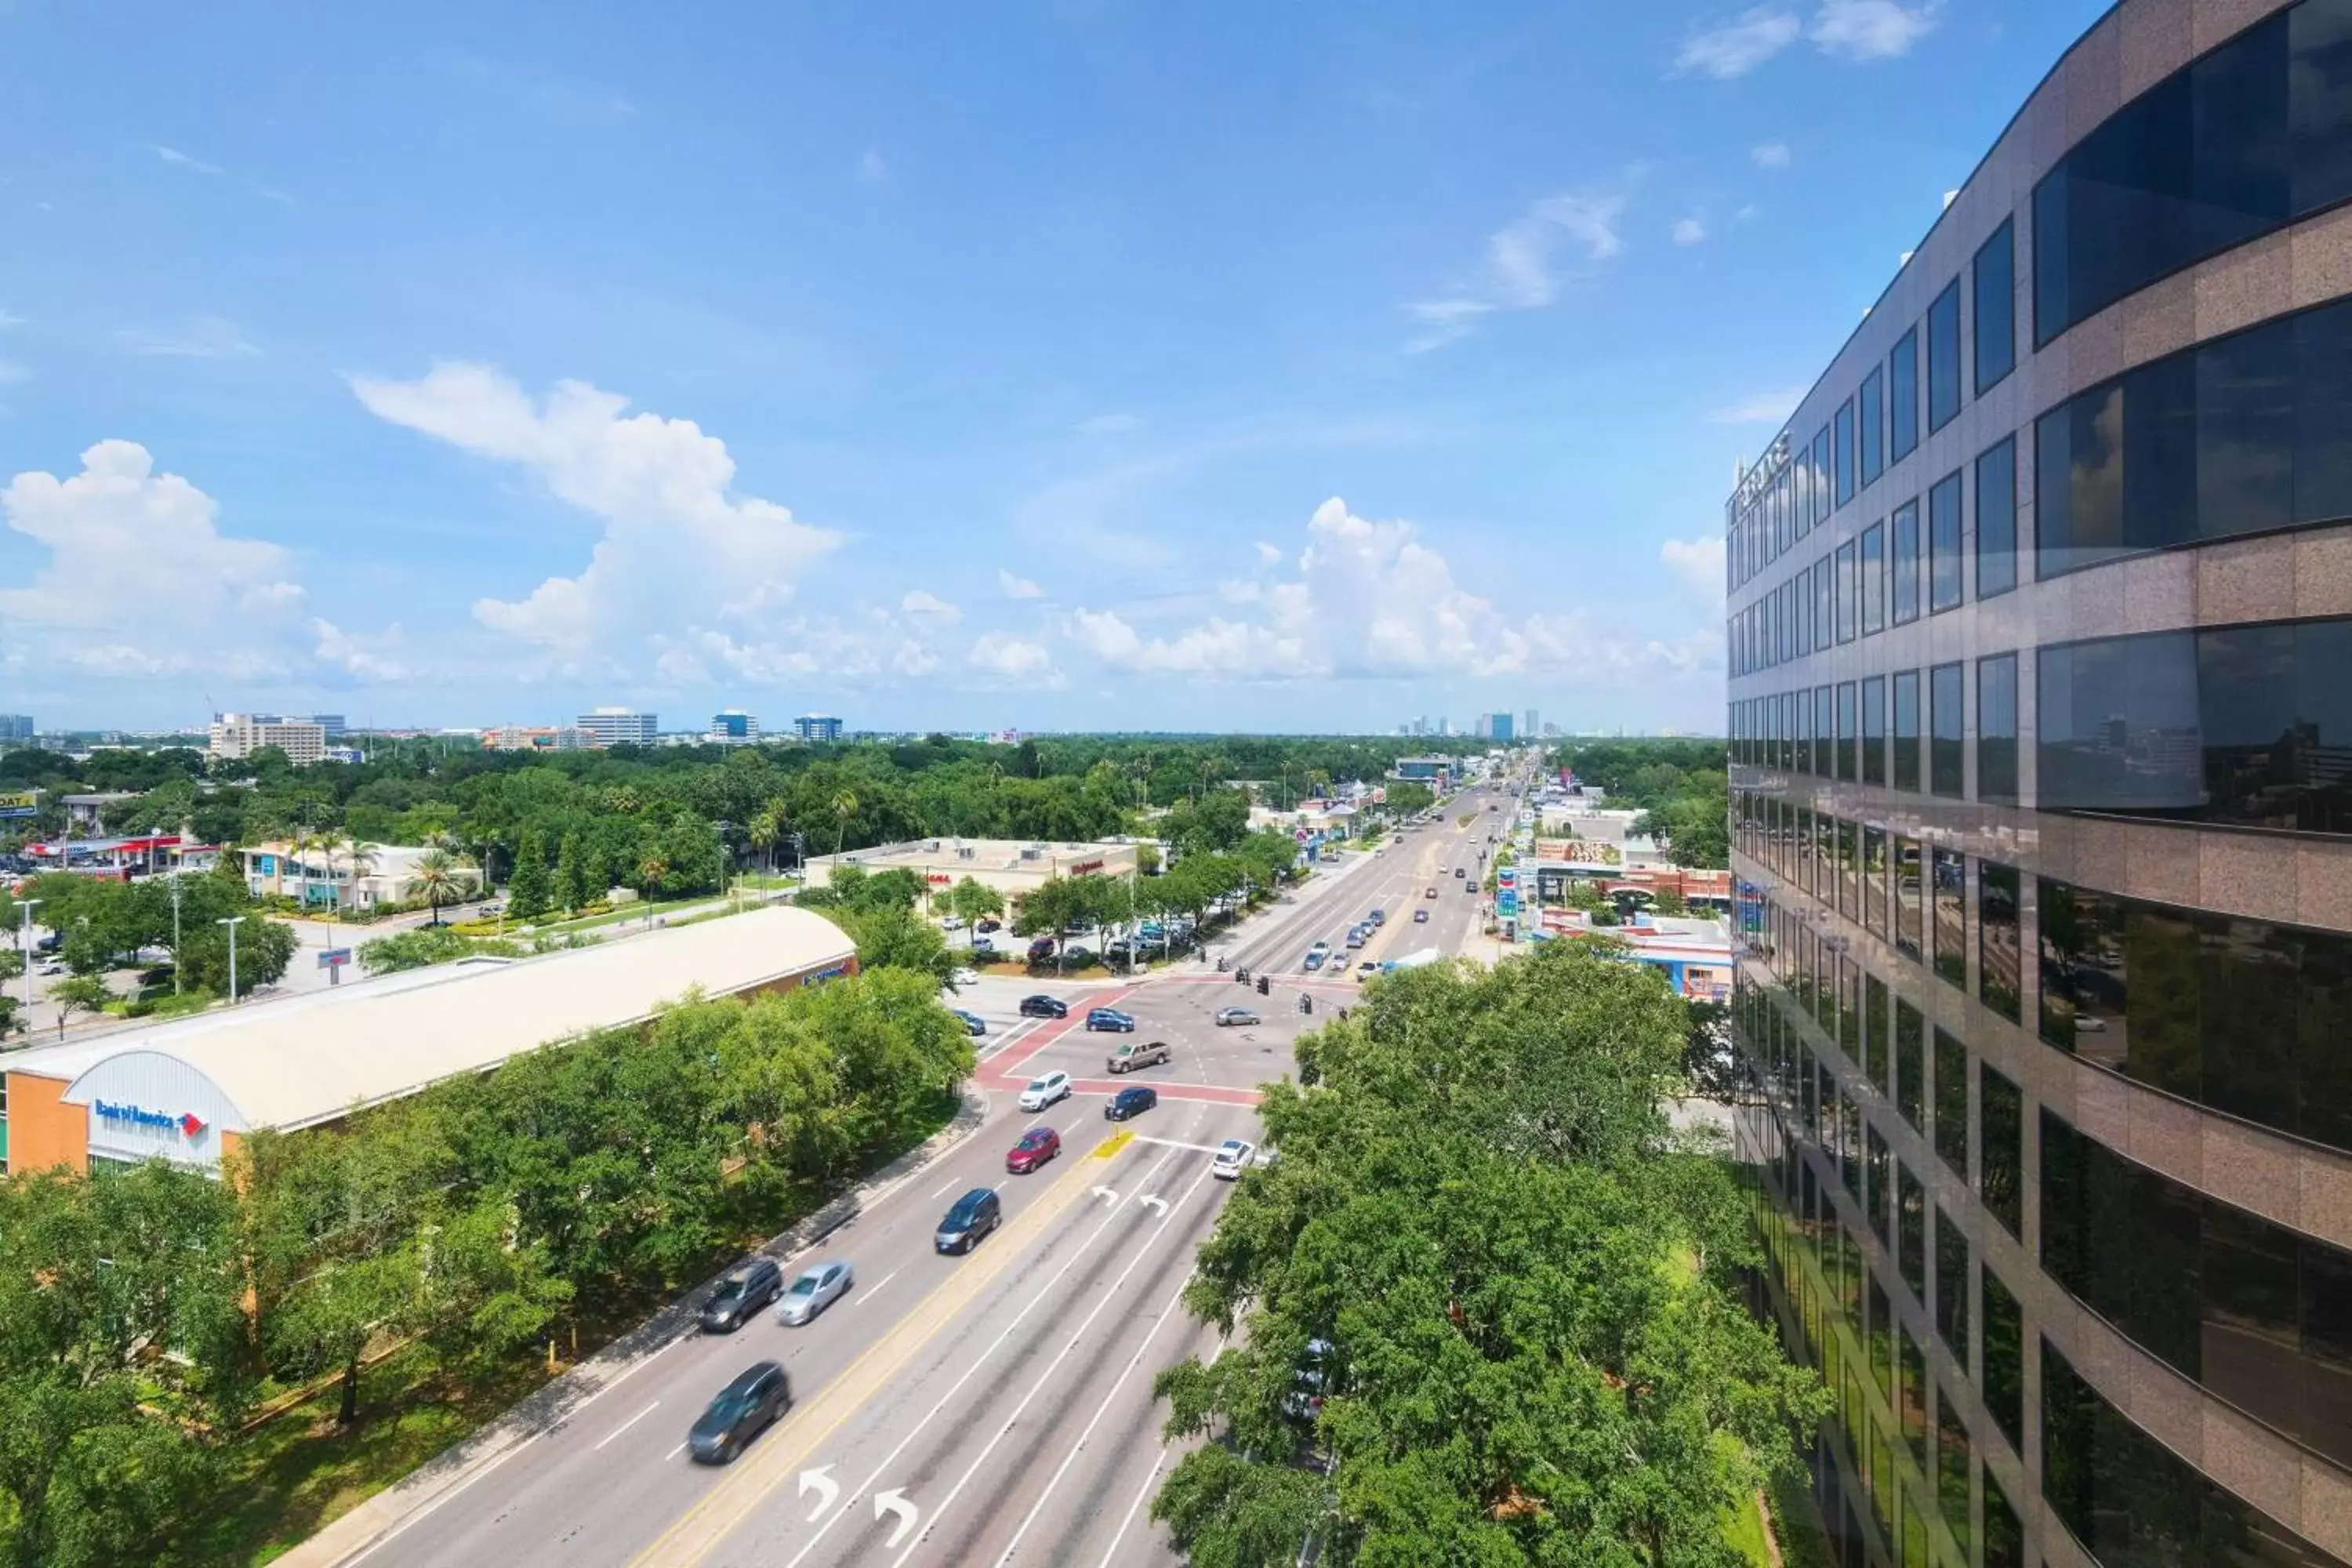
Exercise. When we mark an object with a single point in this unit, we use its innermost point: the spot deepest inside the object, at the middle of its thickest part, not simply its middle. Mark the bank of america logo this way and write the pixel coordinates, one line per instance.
(191, 1124)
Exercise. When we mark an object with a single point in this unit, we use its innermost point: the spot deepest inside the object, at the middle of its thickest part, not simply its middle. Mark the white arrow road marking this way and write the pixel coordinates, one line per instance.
(817, 1480)
(1154, 1202)
(1106, 1192)
(895, 1501)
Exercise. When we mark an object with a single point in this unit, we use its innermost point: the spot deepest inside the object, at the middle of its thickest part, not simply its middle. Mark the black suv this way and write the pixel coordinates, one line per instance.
(1044, 1007)
(754, 1402)
(742, 1293)
(974, 1215)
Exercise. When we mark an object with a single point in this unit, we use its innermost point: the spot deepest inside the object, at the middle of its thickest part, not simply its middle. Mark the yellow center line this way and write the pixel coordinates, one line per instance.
(770, 1465)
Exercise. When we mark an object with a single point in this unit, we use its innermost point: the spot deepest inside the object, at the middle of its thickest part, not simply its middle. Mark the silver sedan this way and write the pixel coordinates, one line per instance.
(818, 1287)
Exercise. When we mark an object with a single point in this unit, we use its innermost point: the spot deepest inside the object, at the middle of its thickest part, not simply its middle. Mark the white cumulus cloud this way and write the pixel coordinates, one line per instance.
(1733, 48)
(680, 545)
(1010, 658)
(1771, 154)
(1689, 231)
(925, 605)
(1872, 29)
(1697, 564)
(1017, 588)
(1525, 265)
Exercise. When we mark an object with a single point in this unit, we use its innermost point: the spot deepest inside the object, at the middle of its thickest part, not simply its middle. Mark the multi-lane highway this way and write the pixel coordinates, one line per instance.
(987, 1408)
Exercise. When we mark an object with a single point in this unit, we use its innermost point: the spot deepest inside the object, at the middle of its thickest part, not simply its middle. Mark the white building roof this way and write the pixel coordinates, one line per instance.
(304, 1061)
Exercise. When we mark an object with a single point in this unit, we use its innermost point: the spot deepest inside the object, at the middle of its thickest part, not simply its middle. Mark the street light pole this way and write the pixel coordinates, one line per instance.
(175, 933)
(232, 922)
(24, 941)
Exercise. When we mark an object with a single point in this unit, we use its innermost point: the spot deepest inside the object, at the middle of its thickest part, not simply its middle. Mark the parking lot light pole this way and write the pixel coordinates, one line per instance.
(175, 933)
(24, 941)
(232, 921)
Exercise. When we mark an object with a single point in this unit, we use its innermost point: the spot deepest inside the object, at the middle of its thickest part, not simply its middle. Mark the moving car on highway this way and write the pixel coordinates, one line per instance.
(1037, 1145)
(1044, 1091)
(819, 1286)
(758, 1397)
(975, 1214)
(743, 1292)
(1129, 1102)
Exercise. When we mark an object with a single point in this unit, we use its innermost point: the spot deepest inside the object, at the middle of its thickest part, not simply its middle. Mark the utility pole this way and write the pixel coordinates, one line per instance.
(175, 933)
(24, 941)
(232, 922)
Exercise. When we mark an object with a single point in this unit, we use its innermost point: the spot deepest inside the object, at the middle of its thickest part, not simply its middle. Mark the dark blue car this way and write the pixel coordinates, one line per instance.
(1129, 1102)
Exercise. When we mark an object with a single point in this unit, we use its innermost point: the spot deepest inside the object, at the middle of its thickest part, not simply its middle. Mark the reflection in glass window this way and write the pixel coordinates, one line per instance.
(1841, 449)
(1903, 396)
(2004, 1536)
(1871, 437)
(1848, 591)
(1874, 879)
(1822, 475)
(1911, 1232)
(1997, 519)
(1952, 1264)
(1873, 730)
(1944, 544)
(2117, 724)
(1949, 944)
(1874, 579)
(2001, 1358)
(1948, 731)
(1906, 730)
(2001, 1148)
(1910, 915)
(1952, 1461)
(1944, 358)
(1997, 729)
(1903, 596)
(1951, 1101)
(1993, 298)
(1849, 740)
(2000, 939)
(1910, 1062)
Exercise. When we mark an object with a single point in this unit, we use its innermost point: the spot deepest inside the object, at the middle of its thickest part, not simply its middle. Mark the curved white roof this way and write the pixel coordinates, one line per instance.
(308, 1059)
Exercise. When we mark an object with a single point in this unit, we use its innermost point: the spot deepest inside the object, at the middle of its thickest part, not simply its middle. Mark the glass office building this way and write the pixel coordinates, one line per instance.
(2041, 706)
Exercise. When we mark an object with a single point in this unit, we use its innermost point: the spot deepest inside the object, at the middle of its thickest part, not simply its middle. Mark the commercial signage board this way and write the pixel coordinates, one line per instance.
(188, 1122)
(23, 803)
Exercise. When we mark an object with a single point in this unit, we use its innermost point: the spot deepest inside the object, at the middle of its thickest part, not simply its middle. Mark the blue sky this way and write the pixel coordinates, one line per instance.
(1081, 363)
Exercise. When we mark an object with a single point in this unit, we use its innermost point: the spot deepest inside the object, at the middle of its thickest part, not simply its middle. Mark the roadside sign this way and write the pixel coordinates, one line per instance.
(332, 961)
(20, 802)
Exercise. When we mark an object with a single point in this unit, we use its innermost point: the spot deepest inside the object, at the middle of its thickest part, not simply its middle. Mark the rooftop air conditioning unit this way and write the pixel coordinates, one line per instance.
(932, 847)
(963, 852)
(1030, 854)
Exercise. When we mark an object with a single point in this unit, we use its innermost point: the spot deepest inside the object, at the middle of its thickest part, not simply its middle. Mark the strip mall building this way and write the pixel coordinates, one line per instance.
(189, 1090)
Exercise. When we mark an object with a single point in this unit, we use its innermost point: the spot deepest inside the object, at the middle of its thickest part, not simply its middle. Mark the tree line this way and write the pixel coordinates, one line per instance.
(1485, 1307)
(1680, 787)
(102, 924)
(144, 1313)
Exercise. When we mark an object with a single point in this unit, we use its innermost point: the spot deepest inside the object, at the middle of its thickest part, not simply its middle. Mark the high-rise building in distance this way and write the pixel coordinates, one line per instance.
(2042, 809)
(619, 727)
(15, 727)
(1529, 725)
(817, 727)
(236, 735)
(732, 727)
(332, 723)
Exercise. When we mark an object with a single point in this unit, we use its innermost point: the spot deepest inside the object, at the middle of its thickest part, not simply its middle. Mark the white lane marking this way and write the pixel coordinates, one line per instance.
(817, 1480)
(1174, 1299)
(1179, 1143)
(673, 1453)
(1134, 1507)
(624, 1426)
(389, 1536)
(1048, 1375)
(970, 1371)
(947, 1186)
(869, 1295)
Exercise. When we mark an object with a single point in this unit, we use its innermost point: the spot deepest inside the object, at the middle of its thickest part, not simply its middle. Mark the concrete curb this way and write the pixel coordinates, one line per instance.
(546, 1409)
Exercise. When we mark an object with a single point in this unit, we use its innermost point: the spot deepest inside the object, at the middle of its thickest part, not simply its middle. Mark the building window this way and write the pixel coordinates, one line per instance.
(1849, 744)
(1906, 730)
(1824, 733)
(1950, 923)
(2242, 1016)
(1997, 519)
(1910, 927)
(2004, 1536)
(2001, 1148)
(1904, 597)
(1870, 436)
(2129, 1499)
(2243, 140)
(1873, 730)
(1950, 1477)
(1944, 358)
(1910, 1063)
(1874, 579)
(1997, 729)
(1822, 475)
(1947, 719)
(1873, 880)
(1879, 1203)
(1903, 396)
(1993, 299)
(1911, 1232)
(1944, 544)
(2000, 957)
(2001, 1358)
(1873, 1057)
(1952, 1261)
(1841, 449)
(1952, 1102)
(1824, 604)
(1848, 589)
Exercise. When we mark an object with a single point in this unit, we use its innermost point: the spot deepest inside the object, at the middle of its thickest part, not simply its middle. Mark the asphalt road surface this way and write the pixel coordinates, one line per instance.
(989, 1408)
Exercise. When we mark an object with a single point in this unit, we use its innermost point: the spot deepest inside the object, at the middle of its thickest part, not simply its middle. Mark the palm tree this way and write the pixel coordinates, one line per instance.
(767, 826)
(360, 860)
(439, 879)
(845, 806)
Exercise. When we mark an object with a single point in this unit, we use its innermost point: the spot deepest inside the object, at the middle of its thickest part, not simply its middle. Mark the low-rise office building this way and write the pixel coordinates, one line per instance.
(189, 1092)
(343, 876)
(1011, 865)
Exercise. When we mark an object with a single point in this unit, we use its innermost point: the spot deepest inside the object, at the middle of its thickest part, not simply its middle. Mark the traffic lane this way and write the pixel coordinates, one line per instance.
(931, 1437)
(1204, 1056)
(602, 1482)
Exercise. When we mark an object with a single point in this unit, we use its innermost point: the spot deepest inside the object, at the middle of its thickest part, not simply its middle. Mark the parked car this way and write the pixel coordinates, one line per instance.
(1235, 1017)
(1044, 1007)
(965, 977)
(1304, 1402)
(973, 1024)
(1232, 1157)
(746, 1407)
(952, 922)
(1420, 916)
(973, 1216)
(819, 1286)
(1077, 957)
(743, 1292)
(1111, 1020)
(988, 925)
(1131, 1102)
(1040, 950)
(1130, 1056)
(1037, 1145)
(1045, 1092)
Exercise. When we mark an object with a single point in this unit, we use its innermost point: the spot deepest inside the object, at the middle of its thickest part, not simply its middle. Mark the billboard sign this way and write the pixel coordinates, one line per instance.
(17, 803)
(1506, 902)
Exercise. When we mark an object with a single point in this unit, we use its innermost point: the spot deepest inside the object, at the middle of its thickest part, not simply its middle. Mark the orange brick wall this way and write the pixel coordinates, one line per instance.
(43, 1130)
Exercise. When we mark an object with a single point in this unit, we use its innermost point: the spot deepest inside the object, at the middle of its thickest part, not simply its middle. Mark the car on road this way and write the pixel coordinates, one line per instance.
(746, 1407)
(1357, 937)
(975, 1214)
(1130, 1056)
(1317, 955)
(973, 1024)
(1461, 870)
(1131, 1102)
(1044, 1091)
(741, 1294)
(1369, 966)
(1304, 1400)
(1431, 894)
(1235, 1017)
(1037, 1145)
(1377, 918)
(1420, 916)
(1232, 1159)
(47, 970)
(819, 1286)
(1111, 1020)
(1043, 1007)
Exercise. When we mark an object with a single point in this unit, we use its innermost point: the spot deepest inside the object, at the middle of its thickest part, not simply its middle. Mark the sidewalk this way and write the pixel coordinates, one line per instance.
(550, 1403)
